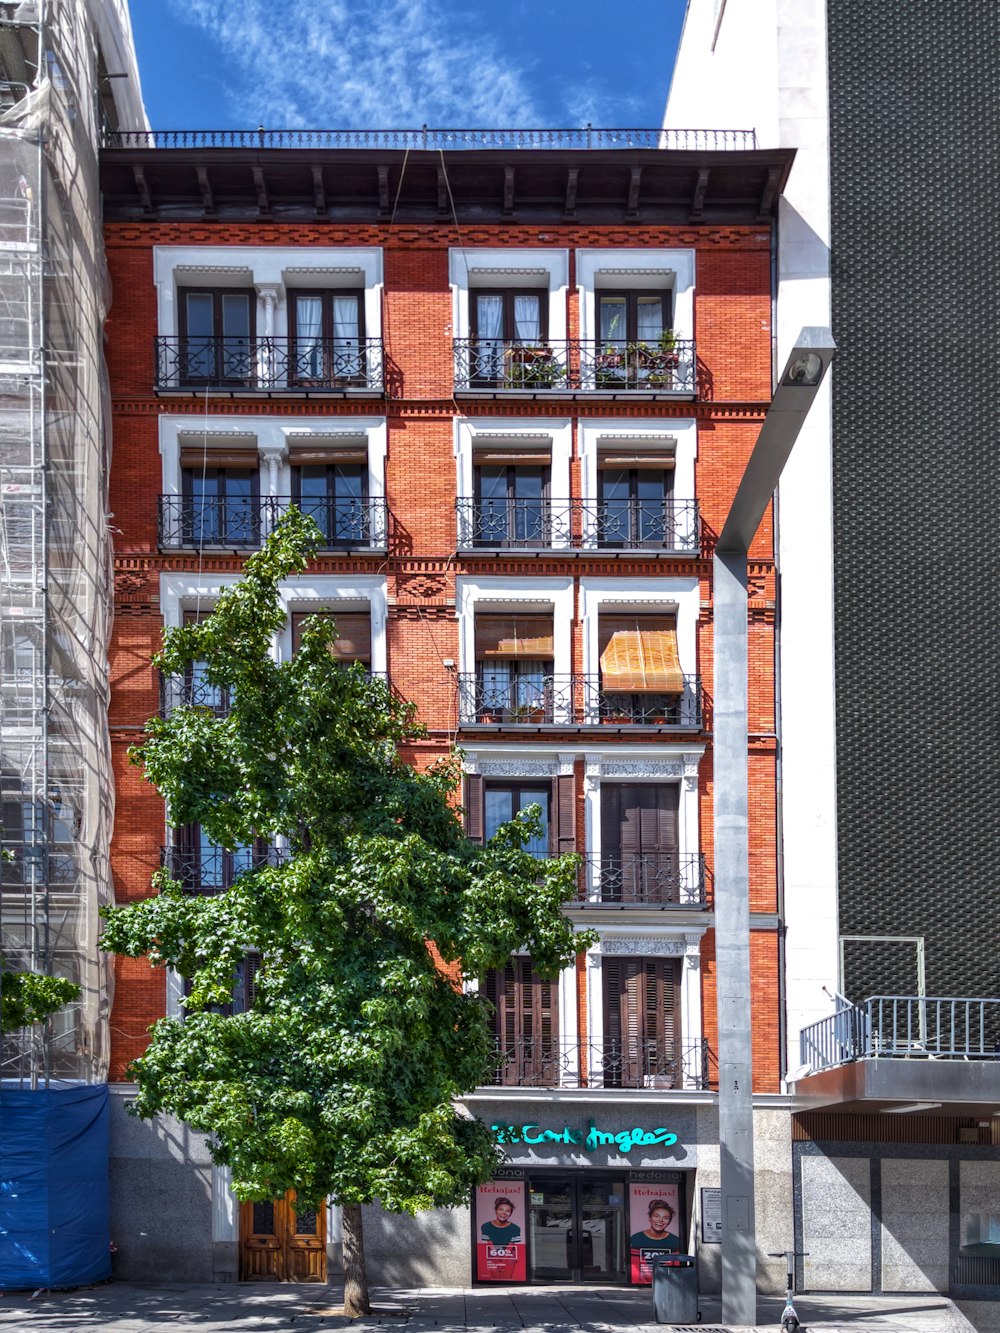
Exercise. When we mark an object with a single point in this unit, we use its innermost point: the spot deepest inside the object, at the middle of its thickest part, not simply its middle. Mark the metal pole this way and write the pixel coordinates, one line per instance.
(797, 388)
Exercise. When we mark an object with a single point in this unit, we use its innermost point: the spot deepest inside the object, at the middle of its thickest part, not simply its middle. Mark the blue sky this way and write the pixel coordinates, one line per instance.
(288, 64)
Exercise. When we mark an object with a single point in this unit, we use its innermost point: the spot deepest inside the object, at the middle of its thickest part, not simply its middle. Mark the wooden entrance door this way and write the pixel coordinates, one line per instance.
(282, 1243)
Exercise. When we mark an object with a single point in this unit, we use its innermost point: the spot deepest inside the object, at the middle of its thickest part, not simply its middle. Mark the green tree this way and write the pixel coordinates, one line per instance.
(342, 1076)
(30, 997)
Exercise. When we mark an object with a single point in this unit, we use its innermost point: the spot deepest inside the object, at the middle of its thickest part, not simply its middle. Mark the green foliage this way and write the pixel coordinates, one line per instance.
(341, 1079)
(29, 997)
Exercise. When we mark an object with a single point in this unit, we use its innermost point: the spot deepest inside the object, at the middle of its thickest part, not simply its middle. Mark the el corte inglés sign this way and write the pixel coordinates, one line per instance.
(589, 1139)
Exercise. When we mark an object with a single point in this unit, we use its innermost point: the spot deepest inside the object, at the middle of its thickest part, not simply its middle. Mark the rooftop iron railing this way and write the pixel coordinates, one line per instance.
(433, 139)
(904, 1027)
(537, 699)
(188, 522)
(574, 365)
(269, 364)
(656, 1064)
(578, 524)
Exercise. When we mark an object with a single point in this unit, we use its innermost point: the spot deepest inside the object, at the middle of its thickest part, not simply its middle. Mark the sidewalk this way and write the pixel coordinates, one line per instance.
(127, 1308)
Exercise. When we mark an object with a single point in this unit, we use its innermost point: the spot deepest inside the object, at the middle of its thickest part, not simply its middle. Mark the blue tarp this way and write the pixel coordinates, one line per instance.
(54, 1198)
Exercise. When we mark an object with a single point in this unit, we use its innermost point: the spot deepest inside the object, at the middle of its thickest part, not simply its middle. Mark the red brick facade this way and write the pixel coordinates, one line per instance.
(732, 309)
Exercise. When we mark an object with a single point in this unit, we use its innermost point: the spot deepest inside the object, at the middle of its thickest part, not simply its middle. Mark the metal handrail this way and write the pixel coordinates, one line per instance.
(578, 524)
(426, 139)
(267, 363)
(192, 690)
(189, 522)
(548, 1062)
(648, 879)
(576, 364)
(904, 1027)
(541, 699)
(212, 869)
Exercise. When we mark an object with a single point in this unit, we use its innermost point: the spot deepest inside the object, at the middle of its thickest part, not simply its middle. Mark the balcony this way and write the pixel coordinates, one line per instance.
(909, 1052)
(340, 367)
(194, 691)
(542, 701)
(242, 522)
(645, 528)
(207, 870)
(649, 880)
(609, 1064)
(584, 367)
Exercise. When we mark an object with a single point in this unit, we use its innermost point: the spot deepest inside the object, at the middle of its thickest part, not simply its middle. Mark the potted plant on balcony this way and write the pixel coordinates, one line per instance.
(533, 366)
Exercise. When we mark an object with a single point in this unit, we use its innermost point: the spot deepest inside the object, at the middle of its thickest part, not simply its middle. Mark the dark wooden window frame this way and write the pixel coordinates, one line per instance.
(562, 808)
(216, 293)
(509, 295)
(632, 297)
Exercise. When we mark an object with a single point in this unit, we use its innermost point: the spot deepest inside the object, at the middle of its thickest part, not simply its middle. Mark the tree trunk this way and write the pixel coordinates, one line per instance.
(356, 1301)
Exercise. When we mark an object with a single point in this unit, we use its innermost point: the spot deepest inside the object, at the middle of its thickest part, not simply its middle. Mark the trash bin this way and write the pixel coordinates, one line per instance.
(675, 1289)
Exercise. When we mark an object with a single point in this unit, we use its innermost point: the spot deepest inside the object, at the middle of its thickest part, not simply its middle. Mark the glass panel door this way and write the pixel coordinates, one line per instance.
(551, 1237)
(602, 1230)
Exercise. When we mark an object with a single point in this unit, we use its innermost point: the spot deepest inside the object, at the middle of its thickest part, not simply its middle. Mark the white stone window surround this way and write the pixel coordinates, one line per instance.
(272, 436)
(180, 592)
(621, 595)
(499, 595)
(514, 435)
(636, 270)
(273, 271)
(676, 438)
(471, 268)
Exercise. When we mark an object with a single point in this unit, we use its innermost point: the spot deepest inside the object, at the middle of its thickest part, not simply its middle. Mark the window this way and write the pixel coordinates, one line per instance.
(199, 692)
(509, 332)
(216, 335)
(244, 988)
(327, 336)
(634, 503)
(512, 503)
(636, 345)
(639, 851)
(641, 1022)
(203, 867)
(525, 1024)
(335, 494)
(514, 668)
(221, 505)
(354, 629)
(641, 679)
(502, 801)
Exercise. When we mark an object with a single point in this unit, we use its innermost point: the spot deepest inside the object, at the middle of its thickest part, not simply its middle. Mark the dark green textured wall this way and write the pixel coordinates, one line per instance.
(915, 148)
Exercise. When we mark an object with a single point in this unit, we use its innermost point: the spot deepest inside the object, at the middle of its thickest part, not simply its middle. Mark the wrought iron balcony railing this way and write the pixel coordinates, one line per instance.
(210, 869)
(194, 691)
(427, 139)
(590, 525)
(576, 366)
(572, 701)
(187, 522)
(254, 365)
(647, 880)
(904, 1027)
(550, 1063)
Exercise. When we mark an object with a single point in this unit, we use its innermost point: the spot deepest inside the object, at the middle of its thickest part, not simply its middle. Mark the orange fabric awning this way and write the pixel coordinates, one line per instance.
(642, 661)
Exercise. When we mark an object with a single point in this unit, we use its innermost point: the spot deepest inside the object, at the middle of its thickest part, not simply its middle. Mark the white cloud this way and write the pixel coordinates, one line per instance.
(348, 63)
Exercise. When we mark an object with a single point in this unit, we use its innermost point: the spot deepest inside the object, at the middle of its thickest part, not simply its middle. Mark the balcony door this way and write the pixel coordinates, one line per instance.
(642, 1022)
(639, 843)
(221, 506)
(511, 505)
(217, 331)
(501, 322)
(525, 1025)
(335, 494)
(328, 338)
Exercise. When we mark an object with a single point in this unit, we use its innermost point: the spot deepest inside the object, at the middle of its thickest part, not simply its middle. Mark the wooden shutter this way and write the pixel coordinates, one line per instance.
(642, 1018)
(525, 1023)
(354, 629)
(565, 813)
(475, 807)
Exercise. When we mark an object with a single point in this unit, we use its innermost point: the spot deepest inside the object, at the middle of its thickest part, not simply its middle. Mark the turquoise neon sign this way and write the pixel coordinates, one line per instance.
(590, 1140)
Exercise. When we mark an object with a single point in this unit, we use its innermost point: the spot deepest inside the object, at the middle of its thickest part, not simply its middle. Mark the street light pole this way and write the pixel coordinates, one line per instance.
(797, 388)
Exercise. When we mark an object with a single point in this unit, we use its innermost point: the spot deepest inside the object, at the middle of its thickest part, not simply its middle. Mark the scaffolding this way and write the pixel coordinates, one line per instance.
(56, 790)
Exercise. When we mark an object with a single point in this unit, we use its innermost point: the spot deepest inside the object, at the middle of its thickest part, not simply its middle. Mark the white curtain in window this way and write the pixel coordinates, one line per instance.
(612, 321)
(649, 321)
(346, 349)
(308, 334)
(488, 361)
(527, 319)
